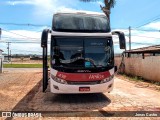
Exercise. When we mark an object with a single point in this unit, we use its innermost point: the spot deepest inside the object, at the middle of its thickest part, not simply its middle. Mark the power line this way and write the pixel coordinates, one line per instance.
(18, 42)
(144, 36)
(139, 43)
(144, 43)
(24, 24)
(146, 30)
(33, 39)
(152, 19)
(21, 42)
(148, 22)
(18, 34)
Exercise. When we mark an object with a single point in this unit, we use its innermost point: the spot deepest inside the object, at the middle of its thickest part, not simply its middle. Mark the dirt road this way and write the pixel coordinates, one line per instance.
(21, 91)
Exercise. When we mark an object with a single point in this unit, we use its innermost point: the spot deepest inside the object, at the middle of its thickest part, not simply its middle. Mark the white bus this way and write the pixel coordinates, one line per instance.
(81, 54)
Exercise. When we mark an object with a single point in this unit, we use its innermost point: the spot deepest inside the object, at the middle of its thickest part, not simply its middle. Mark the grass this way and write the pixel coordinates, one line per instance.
(22, 65)
(136, 78)
(140, 79)
(133, 78)
(156, 83)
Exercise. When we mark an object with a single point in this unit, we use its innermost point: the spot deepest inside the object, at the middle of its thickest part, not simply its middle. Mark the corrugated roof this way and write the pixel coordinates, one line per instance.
(149, 49)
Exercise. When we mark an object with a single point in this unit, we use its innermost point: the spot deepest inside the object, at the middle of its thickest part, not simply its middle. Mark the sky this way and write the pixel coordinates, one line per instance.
(142, 15)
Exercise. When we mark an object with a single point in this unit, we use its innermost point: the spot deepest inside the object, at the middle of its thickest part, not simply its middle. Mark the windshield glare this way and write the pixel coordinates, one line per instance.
(81, 52)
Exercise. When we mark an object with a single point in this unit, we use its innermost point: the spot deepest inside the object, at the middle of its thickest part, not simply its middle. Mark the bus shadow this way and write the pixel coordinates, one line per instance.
(81, 98)
(36, 100)
(77, 102)
(23, 104)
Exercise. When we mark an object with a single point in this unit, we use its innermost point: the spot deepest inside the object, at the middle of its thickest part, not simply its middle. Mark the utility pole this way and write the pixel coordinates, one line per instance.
(129, 37)
(8, 43)
(10, 55)
(0, 32)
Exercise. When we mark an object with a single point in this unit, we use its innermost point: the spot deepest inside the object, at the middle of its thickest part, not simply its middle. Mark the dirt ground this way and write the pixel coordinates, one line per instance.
(21, 90)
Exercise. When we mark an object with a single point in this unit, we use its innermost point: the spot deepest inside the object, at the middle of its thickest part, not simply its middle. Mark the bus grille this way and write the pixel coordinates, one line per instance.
(84, 82)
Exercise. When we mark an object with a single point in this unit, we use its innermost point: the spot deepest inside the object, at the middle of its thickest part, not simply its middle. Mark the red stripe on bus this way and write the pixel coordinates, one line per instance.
(83, 76)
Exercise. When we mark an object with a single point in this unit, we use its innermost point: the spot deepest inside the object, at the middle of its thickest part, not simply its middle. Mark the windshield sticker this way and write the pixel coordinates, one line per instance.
(97, 44)
(87, 64)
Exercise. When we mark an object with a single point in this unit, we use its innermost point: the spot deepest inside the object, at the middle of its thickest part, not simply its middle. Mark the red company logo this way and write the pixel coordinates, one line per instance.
(96, 76)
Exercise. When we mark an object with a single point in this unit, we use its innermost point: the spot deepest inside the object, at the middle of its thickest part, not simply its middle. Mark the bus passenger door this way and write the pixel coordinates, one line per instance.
(44, 40)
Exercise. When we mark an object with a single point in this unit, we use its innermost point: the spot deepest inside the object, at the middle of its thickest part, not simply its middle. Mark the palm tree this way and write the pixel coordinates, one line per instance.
(108, 5)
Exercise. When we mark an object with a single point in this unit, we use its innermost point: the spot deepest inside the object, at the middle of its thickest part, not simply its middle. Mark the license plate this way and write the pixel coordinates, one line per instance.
(82, 89)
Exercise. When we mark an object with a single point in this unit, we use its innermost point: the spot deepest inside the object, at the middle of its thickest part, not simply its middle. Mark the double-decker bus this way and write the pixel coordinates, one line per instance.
(81, 53)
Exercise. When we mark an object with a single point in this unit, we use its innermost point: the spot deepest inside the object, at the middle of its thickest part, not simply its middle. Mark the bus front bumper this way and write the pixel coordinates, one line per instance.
(59, 88)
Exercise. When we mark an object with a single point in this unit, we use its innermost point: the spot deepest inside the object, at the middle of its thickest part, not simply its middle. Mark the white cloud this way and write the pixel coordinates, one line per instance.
(17, 37)
(24, 34)
(20, 48)
(100, 3)
(17, 2)
(154, 25)
(139, 38)
(148, 34)
(43, 10)
(144, 38)
(44, 5)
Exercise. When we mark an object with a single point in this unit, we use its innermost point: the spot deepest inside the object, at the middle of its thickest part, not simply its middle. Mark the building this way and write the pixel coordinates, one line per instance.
(142, 62)
(1, 61)
(144, 51)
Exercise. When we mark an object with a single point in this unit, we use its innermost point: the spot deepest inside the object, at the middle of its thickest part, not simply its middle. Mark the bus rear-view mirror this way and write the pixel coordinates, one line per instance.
(122, 40)
(44, 38)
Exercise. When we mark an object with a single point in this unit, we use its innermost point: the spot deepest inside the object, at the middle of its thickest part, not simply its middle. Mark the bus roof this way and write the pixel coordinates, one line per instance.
(83, 21)
(80, 34)
(81, 12)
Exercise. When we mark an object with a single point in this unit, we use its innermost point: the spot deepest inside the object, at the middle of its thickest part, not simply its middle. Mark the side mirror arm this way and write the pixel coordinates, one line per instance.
(44, 37)
(122, 39)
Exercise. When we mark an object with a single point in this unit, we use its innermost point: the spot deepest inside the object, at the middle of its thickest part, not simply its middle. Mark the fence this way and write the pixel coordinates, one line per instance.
(148, 68)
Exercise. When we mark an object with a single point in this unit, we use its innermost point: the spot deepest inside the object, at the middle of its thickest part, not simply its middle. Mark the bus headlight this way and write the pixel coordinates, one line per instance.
(58, 80)
(107, 79)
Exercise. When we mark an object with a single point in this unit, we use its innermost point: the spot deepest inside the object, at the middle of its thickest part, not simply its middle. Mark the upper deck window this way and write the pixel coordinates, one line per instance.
(80, 23)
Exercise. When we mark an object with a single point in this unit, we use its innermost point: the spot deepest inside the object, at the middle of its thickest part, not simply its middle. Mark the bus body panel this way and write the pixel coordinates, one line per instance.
(71, 89)
(60, 88)
(84, 66)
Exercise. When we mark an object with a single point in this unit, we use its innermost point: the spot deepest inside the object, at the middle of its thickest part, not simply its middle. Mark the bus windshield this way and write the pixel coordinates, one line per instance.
(82, 52)
(80, 22)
